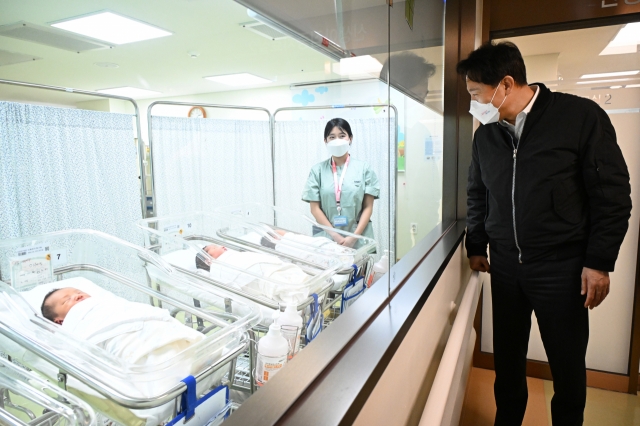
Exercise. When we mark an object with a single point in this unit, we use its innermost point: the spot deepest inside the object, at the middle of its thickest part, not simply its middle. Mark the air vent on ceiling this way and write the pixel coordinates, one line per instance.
(264, 30)
(50, 37)
(10, 58)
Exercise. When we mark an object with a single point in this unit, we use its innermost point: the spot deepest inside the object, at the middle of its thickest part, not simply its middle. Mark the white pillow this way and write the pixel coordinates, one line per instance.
(35, 296)
(185, 259)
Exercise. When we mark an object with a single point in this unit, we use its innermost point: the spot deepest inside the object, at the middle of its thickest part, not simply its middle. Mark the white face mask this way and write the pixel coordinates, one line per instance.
(338, 147)
(486, 113)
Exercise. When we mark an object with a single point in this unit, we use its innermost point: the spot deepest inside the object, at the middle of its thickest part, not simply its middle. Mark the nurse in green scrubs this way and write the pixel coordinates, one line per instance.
(341, 189)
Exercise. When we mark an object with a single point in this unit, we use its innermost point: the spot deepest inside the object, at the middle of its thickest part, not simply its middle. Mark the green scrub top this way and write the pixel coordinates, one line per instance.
(359, 180)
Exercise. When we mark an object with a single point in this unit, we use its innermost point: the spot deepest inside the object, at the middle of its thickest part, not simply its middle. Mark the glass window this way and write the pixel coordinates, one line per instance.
(330, 110)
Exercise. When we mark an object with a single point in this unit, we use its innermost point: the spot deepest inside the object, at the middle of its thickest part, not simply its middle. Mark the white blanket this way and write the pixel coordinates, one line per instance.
(135, 332)
(320, 245)
(96, 329)
(284, 282)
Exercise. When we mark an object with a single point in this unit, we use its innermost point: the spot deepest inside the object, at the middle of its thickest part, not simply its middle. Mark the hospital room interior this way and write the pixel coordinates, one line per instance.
(248, 212)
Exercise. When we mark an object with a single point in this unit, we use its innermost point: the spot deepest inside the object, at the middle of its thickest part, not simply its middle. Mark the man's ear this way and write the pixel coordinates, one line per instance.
(509, 84)
(58, 321)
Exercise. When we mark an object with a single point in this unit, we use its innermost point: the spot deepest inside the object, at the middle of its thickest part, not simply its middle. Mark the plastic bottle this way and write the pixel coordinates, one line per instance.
(381, 267)
(291, 323)
(273, 350)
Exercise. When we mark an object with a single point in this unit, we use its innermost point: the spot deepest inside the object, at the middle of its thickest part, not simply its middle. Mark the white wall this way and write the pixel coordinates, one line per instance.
(400, 395)
(610, 323)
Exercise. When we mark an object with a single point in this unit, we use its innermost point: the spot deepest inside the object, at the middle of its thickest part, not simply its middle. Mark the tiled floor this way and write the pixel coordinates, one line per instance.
(603, 407)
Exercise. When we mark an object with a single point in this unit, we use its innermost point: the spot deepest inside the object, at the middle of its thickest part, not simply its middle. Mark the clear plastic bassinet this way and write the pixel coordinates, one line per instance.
(179, 239)
(28, 400)
(95, 262)
(271, 218)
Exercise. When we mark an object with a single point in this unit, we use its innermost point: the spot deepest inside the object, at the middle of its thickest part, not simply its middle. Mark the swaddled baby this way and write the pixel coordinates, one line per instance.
(322, 245)
(135, 332)
(286, 281)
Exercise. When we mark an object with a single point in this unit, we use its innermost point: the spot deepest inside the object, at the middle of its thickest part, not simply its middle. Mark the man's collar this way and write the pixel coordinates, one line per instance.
(527, 109)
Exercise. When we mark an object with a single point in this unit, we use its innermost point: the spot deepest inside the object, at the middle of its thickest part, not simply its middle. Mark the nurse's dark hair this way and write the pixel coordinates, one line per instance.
(340, 123)
(492, 62)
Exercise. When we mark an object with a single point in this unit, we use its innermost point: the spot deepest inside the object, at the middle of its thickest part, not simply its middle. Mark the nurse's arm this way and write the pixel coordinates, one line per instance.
(365, 217)
(320, 217)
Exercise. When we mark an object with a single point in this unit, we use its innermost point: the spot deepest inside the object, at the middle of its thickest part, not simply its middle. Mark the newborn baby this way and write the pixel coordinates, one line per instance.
(58, 302)
(306, 247)
(287, 282)
(136, 332)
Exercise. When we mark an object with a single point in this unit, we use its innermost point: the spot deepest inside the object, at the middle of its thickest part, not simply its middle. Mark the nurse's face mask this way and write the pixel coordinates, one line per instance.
(338, 147)
(487, 113)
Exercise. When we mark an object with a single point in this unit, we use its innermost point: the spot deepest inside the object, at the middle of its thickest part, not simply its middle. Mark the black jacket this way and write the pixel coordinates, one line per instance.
(568, 179)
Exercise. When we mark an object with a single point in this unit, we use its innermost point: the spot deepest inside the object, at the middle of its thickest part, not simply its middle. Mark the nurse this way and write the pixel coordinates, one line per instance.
(341, 189)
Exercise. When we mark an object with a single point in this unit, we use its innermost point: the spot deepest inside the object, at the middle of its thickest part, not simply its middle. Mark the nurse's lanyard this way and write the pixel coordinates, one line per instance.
(338, 185)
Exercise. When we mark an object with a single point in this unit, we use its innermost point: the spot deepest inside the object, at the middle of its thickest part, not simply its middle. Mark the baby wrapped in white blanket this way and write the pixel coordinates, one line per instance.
(282, 281)
(346, 255)
(135, 332)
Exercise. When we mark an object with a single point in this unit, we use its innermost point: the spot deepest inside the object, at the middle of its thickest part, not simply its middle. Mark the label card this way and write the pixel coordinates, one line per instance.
(173, 229)
(340, 221)
(210, 410)
(31, 267)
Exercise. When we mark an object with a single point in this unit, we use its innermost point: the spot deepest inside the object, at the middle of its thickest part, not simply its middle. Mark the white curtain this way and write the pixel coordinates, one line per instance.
(201, 164)
(66, 168)
(300, 144)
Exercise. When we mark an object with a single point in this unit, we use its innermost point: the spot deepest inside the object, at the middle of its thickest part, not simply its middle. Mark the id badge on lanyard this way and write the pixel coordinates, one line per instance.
(339, 220)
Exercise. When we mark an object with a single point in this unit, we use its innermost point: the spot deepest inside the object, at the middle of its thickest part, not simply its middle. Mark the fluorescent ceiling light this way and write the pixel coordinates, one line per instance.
(365, 65)
(611, 74)
(129, 92)
(626, 41)
(242, 79)
(631, 85)
(112, 28)
(615, 87)
(600, 81)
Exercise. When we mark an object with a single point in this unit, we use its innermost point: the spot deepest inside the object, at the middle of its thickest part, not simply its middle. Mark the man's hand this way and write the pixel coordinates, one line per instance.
(479, 263)
(595, 284)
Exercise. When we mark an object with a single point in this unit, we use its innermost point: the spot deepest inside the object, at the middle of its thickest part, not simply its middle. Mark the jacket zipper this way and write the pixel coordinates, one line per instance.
(513, 200)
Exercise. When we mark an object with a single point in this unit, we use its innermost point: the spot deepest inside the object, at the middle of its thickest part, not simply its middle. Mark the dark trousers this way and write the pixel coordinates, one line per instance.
(551, 289)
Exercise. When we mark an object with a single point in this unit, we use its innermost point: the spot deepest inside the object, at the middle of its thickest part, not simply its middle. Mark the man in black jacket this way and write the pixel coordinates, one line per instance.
(549, 192)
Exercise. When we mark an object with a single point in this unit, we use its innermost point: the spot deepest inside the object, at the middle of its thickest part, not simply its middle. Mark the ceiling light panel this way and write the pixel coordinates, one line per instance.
(112, 28)
(626, 41)
(611, 74)
(50, 37)
(242, 79)
(129, 92)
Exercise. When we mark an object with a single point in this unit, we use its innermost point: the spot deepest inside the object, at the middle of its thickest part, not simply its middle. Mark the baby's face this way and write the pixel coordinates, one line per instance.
(63, 300)
(215, 251)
